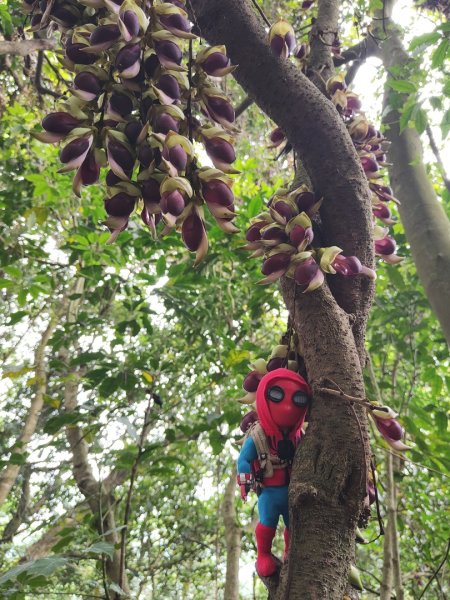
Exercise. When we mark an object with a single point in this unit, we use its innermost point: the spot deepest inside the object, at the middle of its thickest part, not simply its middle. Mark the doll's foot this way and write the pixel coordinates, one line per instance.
(266, 565)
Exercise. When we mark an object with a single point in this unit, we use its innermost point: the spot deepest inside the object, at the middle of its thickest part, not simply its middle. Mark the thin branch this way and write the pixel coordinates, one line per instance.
(40, 87)
(144, 432)
(443, 561)
(261, 12)
(246, 103)
(437, 155)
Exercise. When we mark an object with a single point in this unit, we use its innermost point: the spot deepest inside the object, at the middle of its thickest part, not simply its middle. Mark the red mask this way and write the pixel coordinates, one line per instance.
(282, 400)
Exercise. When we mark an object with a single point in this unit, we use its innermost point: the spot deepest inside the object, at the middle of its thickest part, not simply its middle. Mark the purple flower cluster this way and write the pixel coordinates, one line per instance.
(139, 98)
(284, 234)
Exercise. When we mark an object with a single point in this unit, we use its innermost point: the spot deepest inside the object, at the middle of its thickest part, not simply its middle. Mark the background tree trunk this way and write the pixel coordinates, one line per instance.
(233, 536)
(9, 474)
(427, 227)
(99, 497)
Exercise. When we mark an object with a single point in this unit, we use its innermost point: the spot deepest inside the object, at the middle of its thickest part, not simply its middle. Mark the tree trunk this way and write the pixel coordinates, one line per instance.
(388, 565)
(395, 539)
(100, 499)
(11, 471)
(328, 482)
(233, 536)
(426, 225)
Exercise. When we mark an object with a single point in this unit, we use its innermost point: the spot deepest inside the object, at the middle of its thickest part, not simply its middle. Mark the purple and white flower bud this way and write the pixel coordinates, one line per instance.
(119, 104)
(277, 137)
(218, 107)
(120, 157)
(74, 153)
(248, 420)
(129, 24)
(151, 65)
(163, 123)
(308, 275)
(275, 363)
(103, 37)
(87, 174)
(386, 248)
(194, 236)
(75, 53)
(282, 38)
(87, 86)
(176, 23)
(128, 61)
(120, 205)
(57, 125)
(277, 263)
(382, 212)
(215, 64)
(169, 88)
(173, 203)
(251, 382)
(169, 53)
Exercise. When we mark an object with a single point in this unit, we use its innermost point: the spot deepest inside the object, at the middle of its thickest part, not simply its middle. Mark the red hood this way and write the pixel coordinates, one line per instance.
(262, 408)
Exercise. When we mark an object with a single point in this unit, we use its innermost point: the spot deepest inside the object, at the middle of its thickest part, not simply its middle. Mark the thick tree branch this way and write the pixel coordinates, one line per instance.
(25, 47)
(314, 129)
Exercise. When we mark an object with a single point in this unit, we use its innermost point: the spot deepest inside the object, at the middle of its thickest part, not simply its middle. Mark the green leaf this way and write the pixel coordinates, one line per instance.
(445, 124)
(409, 109)
(255, 206)
(18, 458)
(440, 54)
(426, 39)
(421, 120)
(401, 85)
(116, 588)
(41, 567)
(161, 265)
(17, 316)
(101, 548)
(441, 422)
(54, 424)
(436, 102)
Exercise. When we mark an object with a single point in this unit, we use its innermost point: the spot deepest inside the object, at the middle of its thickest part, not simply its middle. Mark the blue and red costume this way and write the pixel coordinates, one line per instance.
(282, 400)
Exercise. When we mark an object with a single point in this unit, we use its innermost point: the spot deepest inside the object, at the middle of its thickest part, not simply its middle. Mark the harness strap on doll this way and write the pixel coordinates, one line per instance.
(268, 462)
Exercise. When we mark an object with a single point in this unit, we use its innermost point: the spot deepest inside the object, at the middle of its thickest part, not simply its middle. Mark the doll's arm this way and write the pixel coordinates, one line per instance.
(245, 478)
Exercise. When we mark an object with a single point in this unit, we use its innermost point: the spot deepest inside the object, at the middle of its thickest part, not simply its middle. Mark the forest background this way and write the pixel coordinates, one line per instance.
(142, 356)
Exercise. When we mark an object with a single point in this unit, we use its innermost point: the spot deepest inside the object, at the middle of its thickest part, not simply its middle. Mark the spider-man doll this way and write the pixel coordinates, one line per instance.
(282, 400)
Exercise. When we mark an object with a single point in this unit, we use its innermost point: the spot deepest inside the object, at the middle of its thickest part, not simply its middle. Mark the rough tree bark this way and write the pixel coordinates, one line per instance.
(426, 224)
(9, 474)
(329, 474)
(233, 536)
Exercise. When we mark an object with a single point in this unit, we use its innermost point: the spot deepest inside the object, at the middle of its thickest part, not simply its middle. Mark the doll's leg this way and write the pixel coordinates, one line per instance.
(265, 532)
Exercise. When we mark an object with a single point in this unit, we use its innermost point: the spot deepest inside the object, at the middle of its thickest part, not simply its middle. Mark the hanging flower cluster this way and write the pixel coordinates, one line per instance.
(371, 146)
(282, 356)
(284, 234)
(138, 101)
